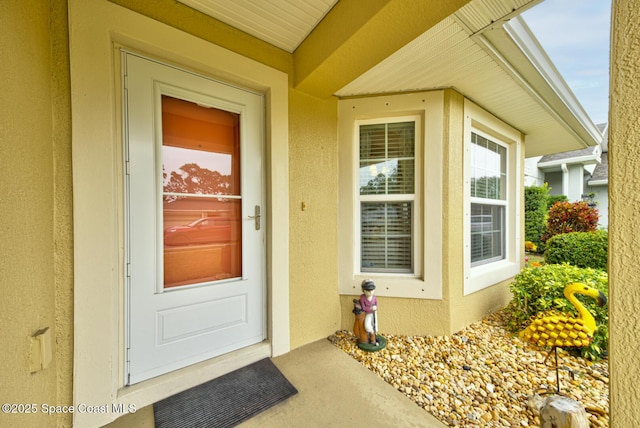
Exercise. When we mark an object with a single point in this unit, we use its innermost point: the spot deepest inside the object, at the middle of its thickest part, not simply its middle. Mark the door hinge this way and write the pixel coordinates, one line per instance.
(127, 365)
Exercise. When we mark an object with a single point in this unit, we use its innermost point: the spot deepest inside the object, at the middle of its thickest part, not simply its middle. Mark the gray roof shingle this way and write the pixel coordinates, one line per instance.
(568, 155)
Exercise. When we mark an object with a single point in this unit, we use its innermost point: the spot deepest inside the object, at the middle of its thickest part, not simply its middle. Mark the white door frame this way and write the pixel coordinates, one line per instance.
(97, 28)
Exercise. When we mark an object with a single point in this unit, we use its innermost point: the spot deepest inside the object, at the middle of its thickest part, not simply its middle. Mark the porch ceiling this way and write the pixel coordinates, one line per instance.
(483, 50)
(282, 23)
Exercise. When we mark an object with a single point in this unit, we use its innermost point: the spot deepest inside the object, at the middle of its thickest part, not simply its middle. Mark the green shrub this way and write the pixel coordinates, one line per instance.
(582, 249)
(567, 217)
(535, 210)
(540, 289)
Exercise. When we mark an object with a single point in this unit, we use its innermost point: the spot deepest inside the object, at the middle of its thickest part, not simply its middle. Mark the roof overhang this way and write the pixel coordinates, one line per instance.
(500, 67)
(481, 48)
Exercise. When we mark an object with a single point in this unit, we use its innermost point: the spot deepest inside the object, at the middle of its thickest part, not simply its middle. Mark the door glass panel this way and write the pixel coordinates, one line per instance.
(202, 232)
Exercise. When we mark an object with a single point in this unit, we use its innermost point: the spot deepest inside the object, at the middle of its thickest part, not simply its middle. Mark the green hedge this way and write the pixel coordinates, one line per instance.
(582, 249)
(535, 210)
(551, 201)
(540, 289)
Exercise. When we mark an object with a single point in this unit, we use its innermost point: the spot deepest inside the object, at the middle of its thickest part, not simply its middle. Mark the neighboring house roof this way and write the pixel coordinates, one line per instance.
(588, 152)
(600, 176)
(588, 156)
(484, 50)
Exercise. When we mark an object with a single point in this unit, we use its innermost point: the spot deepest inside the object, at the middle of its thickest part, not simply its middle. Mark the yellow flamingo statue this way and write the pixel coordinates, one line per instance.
(556, 330)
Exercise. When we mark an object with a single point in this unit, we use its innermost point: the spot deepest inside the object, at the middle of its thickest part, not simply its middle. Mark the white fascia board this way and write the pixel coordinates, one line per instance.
(522, 36)
(598, 182)
(584, 160)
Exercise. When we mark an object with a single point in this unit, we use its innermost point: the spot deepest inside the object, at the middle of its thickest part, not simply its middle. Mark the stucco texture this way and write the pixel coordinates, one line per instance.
(411, 317)
(35, 210)
(624, 206)
(313, 260)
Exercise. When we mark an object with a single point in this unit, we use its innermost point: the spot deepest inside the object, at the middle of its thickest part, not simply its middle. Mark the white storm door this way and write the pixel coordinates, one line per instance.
(194, 233)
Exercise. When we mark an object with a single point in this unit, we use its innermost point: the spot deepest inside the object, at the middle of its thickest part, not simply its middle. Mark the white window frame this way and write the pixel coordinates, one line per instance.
(481, 276)
(426, 280)
(492, 202)
(415, 198)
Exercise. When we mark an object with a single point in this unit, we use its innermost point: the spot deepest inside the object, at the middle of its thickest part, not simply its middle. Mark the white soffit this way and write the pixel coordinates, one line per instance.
(282, 23)
(479, 14)
(455, 54)
(445, 56)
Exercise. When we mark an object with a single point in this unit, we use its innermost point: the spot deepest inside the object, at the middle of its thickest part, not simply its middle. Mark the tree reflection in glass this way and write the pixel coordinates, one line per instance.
(200, 193)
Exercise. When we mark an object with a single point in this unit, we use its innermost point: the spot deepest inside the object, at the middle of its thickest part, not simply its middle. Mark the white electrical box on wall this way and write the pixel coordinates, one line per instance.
(41, 353)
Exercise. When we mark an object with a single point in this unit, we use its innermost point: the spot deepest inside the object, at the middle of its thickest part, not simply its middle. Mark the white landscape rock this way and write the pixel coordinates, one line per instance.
(563, 412)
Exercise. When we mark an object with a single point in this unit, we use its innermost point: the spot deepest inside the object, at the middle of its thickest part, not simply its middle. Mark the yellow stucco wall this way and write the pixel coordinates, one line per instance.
(313, 256)
(473, 307)
(431, 317)
(36, 231)
(624, 204)
(453, 203)
(403, 316)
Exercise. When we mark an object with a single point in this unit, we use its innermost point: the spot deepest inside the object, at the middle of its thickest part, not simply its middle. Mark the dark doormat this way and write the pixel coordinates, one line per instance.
(227, 400)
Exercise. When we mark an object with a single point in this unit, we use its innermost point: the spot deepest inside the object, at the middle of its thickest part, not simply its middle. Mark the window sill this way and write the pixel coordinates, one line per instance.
(481, 277)
(397, 285)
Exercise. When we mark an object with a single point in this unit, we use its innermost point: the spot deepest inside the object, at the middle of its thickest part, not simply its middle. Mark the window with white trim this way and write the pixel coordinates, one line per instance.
(492, 199)
(488, 186)
(390, 177)
(387, 195)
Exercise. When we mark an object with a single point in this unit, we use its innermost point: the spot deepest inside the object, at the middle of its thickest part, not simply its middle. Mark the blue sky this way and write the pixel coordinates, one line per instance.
(575, 35)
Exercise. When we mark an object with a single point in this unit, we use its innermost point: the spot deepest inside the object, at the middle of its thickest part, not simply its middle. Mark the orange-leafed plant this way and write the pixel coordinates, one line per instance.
(567, 217)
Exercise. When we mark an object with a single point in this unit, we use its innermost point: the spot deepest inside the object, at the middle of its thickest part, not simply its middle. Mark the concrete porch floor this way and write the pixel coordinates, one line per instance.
(333, 391)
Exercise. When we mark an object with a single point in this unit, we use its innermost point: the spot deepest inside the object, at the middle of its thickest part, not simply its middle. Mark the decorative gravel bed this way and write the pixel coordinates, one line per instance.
(483, 375)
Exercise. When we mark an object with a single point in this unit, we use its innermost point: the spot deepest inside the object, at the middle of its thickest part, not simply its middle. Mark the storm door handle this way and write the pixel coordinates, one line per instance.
(256, 217)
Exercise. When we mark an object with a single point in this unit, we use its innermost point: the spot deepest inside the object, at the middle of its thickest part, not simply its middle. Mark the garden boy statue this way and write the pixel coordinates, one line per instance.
(366, 324)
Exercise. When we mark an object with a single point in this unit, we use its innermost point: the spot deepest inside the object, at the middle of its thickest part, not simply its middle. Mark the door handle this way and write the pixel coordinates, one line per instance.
(256, 217)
